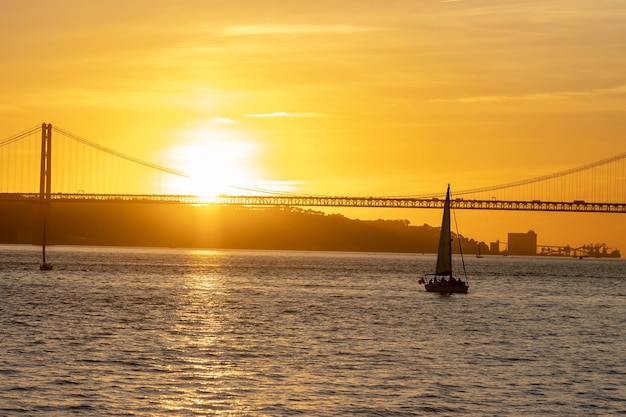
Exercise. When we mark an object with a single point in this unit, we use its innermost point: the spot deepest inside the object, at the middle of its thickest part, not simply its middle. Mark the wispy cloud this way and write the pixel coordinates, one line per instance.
(292, 29)
(284, 114)
(223, 120)
(556, 95)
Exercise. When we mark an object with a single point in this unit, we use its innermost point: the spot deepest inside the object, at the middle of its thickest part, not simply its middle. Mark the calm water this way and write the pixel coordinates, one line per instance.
(174, 332)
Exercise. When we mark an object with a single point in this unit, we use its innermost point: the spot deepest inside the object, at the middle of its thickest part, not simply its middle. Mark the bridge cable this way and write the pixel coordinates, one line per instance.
(545, 177)
(161, 168)
(19, 136)
(120, 154)
(533, 180)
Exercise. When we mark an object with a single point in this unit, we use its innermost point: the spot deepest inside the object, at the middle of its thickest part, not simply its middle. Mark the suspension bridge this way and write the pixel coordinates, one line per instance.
(79, 170)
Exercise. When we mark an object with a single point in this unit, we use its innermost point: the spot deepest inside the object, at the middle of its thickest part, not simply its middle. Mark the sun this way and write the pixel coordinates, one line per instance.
(217, 162)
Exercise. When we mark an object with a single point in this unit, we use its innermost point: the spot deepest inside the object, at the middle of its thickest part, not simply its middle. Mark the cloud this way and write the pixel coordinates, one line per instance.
(557, 95)
(284, 114)
(223, 120)
(292, 29)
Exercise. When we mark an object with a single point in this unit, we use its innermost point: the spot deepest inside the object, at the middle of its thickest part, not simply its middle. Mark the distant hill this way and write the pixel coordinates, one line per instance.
(177, 225)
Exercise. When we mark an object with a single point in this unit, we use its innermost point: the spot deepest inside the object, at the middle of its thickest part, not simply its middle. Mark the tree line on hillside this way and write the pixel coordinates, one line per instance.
(189, 226)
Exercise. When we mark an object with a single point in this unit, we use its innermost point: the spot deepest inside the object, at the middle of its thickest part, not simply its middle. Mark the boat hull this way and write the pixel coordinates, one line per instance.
(447, 287)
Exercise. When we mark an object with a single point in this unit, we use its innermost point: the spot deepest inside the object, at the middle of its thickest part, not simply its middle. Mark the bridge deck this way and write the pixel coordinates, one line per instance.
(317, 201)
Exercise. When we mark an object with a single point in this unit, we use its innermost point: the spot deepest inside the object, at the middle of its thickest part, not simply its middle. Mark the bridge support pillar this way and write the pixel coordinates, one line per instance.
(45, 186)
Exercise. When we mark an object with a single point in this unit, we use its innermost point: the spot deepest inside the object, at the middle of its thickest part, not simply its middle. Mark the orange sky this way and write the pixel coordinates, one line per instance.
(338, 98)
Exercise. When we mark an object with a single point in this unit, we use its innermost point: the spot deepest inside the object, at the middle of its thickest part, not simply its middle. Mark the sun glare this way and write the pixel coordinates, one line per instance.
(216, 161)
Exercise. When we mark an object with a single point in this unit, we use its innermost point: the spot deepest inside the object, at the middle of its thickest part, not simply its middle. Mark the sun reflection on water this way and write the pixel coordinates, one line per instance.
(200, 368)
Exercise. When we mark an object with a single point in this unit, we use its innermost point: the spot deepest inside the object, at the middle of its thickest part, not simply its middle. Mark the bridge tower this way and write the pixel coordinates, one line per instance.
(45, 186)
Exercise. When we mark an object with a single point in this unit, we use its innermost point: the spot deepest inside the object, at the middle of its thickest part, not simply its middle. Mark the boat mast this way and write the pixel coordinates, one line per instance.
(458, 237)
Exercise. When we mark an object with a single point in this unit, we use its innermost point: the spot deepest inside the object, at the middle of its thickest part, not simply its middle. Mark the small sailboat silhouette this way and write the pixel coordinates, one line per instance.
(444, 282)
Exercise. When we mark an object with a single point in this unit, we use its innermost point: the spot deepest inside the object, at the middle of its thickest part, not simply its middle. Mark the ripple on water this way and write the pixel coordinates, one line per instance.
(148, 332)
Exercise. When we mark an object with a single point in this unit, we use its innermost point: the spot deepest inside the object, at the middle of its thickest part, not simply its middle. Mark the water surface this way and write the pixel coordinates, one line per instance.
(127, 331)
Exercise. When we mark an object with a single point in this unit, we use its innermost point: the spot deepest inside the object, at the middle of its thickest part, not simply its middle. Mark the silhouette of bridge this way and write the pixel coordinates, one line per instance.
(90, 172)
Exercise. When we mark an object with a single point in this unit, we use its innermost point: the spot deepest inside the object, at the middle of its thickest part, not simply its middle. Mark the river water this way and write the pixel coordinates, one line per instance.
(144, 332)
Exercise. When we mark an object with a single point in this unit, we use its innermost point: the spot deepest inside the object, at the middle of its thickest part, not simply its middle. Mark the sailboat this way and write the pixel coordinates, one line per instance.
(443, 281)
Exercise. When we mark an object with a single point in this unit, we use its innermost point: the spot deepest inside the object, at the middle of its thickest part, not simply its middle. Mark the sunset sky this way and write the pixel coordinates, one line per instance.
(385, 98)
